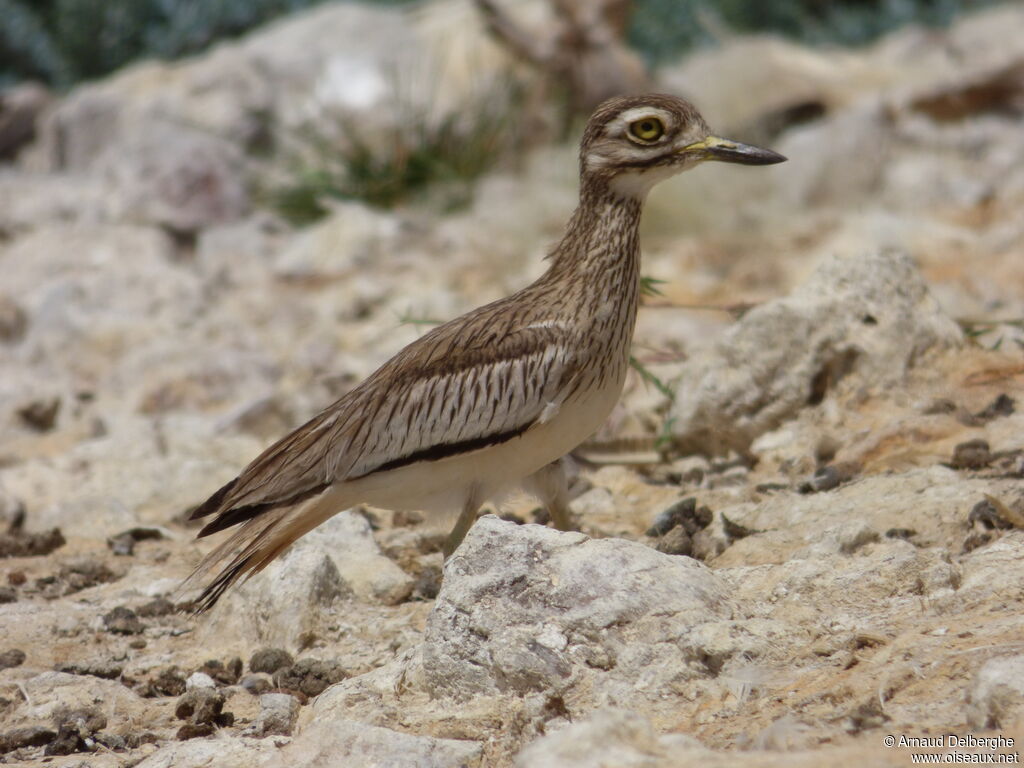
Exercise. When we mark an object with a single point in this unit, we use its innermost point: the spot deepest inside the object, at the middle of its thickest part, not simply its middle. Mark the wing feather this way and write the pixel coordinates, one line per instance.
(434, 399)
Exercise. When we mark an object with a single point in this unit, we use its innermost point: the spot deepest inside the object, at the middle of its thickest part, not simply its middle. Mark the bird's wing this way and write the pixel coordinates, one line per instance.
(463, 386)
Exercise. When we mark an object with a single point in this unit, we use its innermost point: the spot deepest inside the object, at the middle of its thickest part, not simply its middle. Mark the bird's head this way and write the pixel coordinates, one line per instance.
(633, 142)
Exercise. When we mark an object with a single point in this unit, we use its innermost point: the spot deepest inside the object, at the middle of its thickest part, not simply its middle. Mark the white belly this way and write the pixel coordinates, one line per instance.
(443, 485)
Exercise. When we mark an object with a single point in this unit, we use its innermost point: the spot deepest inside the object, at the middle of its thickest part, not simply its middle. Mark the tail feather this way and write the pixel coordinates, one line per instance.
(258, 542)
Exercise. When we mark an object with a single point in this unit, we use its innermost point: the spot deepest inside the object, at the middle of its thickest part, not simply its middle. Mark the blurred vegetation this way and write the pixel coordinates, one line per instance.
(441, 154)
(662, 29)
(64, 41)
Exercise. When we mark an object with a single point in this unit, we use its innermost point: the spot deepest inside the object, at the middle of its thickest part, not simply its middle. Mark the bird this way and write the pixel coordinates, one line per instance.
(494, 399)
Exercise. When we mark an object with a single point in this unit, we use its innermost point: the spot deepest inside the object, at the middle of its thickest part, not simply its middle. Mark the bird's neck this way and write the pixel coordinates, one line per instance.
(602, 238)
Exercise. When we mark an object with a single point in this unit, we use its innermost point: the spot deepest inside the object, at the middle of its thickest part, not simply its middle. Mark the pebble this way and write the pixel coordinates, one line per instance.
(170, 682)
(200, 705)
(13, 320)
(8, 595)
(29, 736)
(675, 542)
(199, 680)
(972, 454)
(40, 415)
(12, 658)
(161, 606)
(123, 621)
(19, 544)
(257, 683)
(270, 660)
(106, 670)
(683, 513)
(278, 713)
(75, 729)
(310, 676)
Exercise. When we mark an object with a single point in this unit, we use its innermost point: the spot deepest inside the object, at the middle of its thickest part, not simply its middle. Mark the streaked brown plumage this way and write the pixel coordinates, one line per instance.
(491, 398)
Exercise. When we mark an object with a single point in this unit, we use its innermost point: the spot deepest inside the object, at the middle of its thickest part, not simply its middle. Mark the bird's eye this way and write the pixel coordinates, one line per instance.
(647, 129)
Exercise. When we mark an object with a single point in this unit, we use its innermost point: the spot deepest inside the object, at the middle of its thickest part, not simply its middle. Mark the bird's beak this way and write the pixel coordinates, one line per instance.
(727, 151)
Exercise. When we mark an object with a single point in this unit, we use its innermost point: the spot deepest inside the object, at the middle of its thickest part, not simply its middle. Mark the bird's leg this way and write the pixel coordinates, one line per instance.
(466, 519)
(552, 488)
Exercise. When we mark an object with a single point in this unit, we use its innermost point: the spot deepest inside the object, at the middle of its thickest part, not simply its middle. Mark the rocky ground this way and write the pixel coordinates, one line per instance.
(800, 533)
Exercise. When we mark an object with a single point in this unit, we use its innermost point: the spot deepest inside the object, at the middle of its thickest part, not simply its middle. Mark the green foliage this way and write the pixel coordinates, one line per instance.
(64, 41)
(649, 286)
(663, 29)
(396, 164)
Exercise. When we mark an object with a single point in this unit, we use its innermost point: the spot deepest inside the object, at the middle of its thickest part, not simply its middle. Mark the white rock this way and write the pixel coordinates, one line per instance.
(526, 608)
(869, 318)
(300, 590)
(326, 744)
(612, 737)
(278, 713)
(220, 751)
(996, 696)
(199, 680)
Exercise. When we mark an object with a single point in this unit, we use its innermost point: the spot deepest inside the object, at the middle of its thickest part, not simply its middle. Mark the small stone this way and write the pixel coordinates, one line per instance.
(270, 660)
(106, 670)
(123, 621)
(985, 516)
(85, 573)
(225, 675)
(40, 415)
(112, 741)
(675, 542)
(13, 320)
(674, 515)
(972, 454)
(18, 544)
(161, 606)
(30, 736)
(194, 731)
(735, 530)
(199, 705)
(684, 513)
(257, 683)
(170, 682)
(138, 643)
(310, 676)
(74, 728)
(428, 583)
(124, 542)
(199, 680)
(996, 696)
(901, 533)
(278, 713)
(976, 539)
(12, 658)
(16, 578)
(1003, 405)
(8, 595)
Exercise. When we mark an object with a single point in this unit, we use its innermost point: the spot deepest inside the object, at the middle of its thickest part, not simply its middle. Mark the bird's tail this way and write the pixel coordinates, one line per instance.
(256, 544)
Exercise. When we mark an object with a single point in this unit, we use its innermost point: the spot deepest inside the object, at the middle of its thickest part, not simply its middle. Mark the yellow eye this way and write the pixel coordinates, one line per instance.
(647, 129)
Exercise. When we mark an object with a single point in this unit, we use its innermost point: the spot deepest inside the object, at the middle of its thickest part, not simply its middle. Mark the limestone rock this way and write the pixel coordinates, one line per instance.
(612, 737)
(996, 696)
(223, 752)
(295, 593)
(526, 608)
(278, 713)
(869, 319)
(337, 742)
